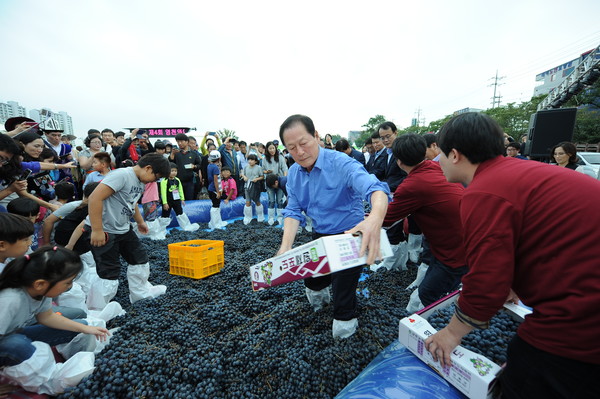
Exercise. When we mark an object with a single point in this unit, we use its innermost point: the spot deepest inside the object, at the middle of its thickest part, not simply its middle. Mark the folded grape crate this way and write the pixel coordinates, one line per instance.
(196, 258)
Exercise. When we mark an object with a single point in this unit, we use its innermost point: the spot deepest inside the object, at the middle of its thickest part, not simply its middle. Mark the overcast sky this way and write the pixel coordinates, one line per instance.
(247, 65)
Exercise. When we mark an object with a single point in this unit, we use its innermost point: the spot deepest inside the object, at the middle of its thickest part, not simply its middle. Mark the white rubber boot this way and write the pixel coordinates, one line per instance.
(280, 216)
(247, 214)
(318, 299)
(344, 328)
(41, 374)
(420, 276)
(139, 286)
(271, 216)
(414, 246)
(102, 291)
(260, 213)
(185, 224)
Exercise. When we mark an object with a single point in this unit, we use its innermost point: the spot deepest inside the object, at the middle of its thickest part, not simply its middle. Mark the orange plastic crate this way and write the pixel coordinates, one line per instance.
(196, 258)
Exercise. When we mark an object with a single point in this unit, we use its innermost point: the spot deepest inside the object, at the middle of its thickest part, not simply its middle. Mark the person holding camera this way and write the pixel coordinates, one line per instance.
(134, 147)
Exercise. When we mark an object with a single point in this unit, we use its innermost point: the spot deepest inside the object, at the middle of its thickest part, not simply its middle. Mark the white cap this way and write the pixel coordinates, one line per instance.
(51, 125)
(214, 155)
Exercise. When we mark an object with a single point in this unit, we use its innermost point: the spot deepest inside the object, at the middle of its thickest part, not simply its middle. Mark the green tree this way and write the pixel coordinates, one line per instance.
(335, 137)
(590, 96)
(435, 126)
(370, 128)
(514, 118)
(223, 133)
(587, 124)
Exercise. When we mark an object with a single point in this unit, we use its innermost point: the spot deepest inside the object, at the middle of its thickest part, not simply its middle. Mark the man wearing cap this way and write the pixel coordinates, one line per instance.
(134, 147)
(52, 138)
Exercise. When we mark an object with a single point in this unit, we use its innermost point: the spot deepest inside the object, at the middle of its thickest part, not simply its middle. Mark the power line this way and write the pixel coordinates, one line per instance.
(496, 98)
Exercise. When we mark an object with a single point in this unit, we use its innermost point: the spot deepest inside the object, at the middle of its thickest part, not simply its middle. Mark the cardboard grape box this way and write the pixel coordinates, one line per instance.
(471, 373)
(320, 257)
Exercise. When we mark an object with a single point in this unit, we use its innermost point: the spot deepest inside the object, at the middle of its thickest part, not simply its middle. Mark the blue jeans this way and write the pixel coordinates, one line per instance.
(16, 348)
(275, 197)
(439, 280)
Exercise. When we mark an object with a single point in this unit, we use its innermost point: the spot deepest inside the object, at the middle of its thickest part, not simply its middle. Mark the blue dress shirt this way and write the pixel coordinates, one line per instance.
(331, 193)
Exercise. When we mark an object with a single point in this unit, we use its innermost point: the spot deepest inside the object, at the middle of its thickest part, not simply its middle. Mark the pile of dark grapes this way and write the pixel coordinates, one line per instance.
(491, 342)
(216, 338)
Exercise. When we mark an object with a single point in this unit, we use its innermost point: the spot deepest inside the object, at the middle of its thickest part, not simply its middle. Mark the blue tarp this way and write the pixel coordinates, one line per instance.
(398, 374)
(198, 211)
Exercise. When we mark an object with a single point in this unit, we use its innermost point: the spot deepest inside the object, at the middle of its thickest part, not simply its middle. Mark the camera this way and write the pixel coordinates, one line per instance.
(25, 174)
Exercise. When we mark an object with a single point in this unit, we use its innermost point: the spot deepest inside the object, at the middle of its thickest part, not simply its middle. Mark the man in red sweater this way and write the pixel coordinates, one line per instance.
(434, 203)
(530, 229)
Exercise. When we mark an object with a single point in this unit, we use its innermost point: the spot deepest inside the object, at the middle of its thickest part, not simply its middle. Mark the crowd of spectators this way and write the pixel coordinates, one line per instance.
(465, 202)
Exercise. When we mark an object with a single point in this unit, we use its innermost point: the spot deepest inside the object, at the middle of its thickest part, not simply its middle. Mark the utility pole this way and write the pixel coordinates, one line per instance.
(418, 121)
(496, 98)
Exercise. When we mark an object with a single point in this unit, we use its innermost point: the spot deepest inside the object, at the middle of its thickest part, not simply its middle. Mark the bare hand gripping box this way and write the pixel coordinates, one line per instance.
(317, 258)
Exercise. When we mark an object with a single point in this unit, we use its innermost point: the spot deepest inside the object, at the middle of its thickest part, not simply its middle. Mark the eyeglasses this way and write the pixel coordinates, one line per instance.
(4, 161)
(386, 137)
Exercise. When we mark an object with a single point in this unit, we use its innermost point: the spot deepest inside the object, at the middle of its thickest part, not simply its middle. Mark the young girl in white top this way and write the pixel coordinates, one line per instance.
(27, 322)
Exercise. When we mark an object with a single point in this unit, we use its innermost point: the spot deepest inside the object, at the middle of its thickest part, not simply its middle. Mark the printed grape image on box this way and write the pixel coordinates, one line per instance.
(317, 258)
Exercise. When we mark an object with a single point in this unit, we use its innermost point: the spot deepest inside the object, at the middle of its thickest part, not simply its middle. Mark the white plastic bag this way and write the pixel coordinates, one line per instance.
(318, 298)
(343, 328)
(102, 291)
(395, 262)
(81, 343)
(110, 311)
(414, 303)
(420, 276)
(41, 374)
(139, 286)
(88, 274)
(74, 298)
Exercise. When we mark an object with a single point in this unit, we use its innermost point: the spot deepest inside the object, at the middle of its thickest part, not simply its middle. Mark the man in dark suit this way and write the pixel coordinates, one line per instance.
(378, 161)
(393, 174)
(393, 177)
(342, 145)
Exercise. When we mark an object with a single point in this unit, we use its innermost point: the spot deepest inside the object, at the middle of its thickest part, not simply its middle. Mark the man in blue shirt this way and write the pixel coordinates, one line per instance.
(329, 187)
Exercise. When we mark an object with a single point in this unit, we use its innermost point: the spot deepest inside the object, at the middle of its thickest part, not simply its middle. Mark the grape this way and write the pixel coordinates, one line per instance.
(216, 338)
(491, 342)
